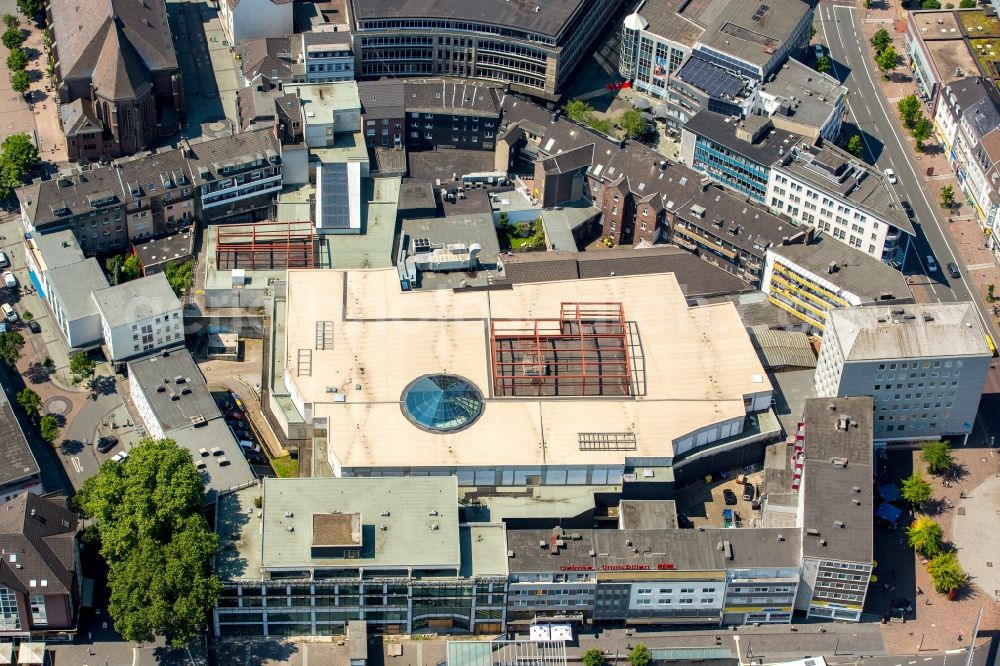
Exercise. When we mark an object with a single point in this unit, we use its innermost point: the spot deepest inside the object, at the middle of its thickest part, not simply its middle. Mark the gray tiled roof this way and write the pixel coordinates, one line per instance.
(743, 224)
(41, 547)
(456, 97)
(571, 160)
(721, 129)
(261, 57)
(133, 301)
(382, 98)
(78, 118)
(59, 248)
(16, 458)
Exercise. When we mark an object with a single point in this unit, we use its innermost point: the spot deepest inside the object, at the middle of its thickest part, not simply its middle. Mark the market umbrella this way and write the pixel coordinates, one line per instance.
(6, 653)
(641, 103)
(660, 110)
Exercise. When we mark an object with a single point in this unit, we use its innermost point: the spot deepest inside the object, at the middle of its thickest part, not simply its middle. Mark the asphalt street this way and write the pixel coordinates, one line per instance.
(886, 147)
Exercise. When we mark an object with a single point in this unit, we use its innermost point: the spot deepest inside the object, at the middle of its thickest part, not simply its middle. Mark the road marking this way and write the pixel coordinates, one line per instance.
(75, 460)
(912, 662)
(928, 658)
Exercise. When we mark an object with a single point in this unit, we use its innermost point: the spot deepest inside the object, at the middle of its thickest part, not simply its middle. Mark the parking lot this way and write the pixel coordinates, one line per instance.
(703, 503)
(234, 411)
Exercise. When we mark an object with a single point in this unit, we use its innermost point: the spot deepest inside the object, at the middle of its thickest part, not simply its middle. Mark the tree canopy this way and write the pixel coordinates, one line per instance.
(180, 276)
(81, 366)
(30, 402)
(880, 40)
(12, 38)
(632, 123)
(823, 64)
(947, 196)
(11, 344)
(31, 8)
(926, 537)
(17, 156)
(887, 60)
(49, 428)
(937, 456)
(909, 110)
(148, 510)
(967, 4)
(17, 59)
(593, 657)
(922, 130)
(946, 573)
(855, 146)
(20, 82)
(915, 490)
(640, 655)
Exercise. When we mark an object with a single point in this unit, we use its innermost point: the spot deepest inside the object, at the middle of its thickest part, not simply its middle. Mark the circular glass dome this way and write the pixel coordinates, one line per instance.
(442, 403)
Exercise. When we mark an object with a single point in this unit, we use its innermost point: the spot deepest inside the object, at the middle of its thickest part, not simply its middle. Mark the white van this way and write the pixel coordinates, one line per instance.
(8, 312)
(249, 446)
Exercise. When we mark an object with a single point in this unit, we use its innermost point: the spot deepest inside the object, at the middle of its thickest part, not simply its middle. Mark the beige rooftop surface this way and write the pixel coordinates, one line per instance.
(697, 365)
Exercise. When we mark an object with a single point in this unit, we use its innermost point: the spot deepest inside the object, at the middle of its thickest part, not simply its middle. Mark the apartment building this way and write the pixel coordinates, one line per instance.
(967, 118)
(800, 100)
(325, 57)
(308, 57)
(20, 473)
(730, 232)
(534, 48)
(139, 316)
(809, 278)
(923, 365)
(390, 551)
(69, 297)
(232, 179)
(829, 189)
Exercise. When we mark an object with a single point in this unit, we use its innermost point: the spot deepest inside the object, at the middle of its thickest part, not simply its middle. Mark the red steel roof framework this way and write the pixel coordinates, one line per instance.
(266, 245)
(583, 352)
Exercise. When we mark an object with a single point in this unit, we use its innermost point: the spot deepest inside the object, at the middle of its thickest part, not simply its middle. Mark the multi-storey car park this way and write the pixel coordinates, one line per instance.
(534, 46)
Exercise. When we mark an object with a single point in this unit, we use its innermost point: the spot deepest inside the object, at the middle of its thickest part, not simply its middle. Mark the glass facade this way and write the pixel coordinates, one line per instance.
(733, 171)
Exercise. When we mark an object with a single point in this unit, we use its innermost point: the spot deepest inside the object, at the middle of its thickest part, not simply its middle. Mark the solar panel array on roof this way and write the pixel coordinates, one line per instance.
(336, 211)
(714, 81)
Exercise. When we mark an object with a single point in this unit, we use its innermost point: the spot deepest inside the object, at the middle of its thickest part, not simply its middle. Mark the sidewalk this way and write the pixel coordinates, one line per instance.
(981, 266)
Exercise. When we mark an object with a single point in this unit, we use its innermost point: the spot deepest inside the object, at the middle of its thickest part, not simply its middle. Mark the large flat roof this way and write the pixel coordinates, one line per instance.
(136, 300)
(737, 32)
(75, 284)
(874, 332)
(856, 272)
(420, 515)
(175, 372)
(834, 526)
(383, 339)
(721, 129)
(551, 19)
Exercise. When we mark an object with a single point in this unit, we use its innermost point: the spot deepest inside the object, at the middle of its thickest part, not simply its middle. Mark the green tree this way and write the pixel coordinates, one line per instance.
(20, 82)
(967, 4)
(31, 8)
(593, 657)
(11, 344)
(17, 156)
(49, 428)
(937, 456)
(855, 146)
(578, 110)
(926, 537)
(10, 21)
(602, 125)
(922, 131)
(155, 540)
(130, 268)
(824, 64)
(17, 60)
(946, 573)
(632, 123)
(113, 264)
(909, 110)
(930, 4)
(180, 276)
(881, 40)
(947, 196)
(12, 38)
(81, 366)
(29, 402)
(887, 60)
(915, 490)
(640, 655)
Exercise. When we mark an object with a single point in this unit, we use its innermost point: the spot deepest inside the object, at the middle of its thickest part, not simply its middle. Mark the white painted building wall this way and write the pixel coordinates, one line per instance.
(679, 595)
(149, 420)
(145, 335)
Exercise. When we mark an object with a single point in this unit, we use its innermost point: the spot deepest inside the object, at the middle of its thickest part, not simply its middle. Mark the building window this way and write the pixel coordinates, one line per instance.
(38, 615)
(9, 618)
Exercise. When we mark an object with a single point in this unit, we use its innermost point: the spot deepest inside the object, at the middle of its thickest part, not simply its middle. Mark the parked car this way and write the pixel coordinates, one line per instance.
(105, 444)
(907, 208)
(748, 492)
(242, 434)
(234, 416)
(890, 176)
(120, 456)
(9, 280)
(931, 264)
(34, 326)
(953, 270)
(818, 49)
(8, 312)
(4, 261)
(729, 496)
